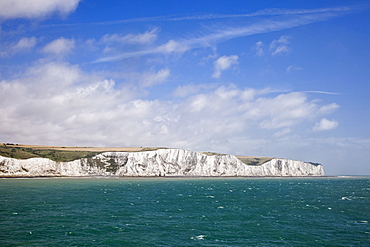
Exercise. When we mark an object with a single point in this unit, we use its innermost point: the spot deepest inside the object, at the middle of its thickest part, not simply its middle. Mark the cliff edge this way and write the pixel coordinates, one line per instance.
(161, 162)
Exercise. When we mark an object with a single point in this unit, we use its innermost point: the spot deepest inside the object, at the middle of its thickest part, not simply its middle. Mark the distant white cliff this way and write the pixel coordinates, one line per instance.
(162, 162)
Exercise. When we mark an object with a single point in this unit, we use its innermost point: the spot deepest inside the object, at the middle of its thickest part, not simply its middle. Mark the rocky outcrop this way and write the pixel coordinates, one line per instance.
(162, 162)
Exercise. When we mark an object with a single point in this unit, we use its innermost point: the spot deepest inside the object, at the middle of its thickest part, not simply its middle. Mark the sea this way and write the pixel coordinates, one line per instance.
(325, 211)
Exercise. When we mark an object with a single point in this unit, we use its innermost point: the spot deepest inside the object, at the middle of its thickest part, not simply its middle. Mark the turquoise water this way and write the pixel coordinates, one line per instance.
(185, 212)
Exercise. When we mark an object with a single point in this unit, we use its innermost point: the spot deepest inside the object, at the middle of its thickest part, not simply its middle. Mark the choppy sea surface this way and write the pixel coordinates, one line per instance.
(185, 212)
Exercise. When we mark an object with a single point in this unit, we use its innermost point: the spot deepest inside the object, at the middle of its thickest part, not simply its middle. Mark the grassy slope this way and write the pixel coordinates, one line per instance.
(53, 154)
(56, 153)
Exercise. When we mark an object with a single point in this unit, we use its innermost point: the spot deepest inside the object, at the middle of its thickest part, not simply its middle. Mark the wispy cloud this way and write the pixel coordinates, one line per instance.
(142, 38)
(171, 46)
(280, 46)
(277, 47)
(265, 12)
(323, 92)
(259, 48)
(292, 68)
(285, 20)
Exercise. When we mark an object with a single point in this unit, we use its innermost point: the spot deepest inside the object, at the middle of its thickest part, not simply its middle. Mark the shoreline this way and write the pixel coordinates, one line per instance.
(187, 177)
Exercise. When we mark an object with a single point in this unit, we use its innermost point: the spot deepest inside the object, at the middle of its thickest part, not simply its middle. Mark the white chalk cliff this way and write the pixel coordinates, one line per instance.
(162, 162)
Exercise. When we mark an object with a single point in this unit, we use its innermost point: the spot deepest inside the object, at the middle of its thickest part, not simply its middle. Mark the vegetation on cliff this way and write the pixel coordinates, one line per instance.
(20, 152)
(65, 154)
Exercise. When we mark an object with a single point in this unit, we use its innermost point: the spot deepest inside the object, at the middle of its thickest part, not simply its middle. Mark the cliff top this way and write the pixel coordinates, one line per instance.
(88, 149)
(69, 153)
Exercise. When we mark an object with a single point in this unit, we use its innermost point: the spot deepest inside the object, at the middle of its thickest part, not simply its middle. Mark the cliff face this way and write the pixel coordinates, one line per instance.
(162, 162)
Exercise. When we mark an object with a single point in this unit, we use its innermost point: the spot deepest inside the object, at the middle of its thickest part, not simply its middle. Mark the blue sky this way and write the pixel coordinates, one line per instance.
(267, 78)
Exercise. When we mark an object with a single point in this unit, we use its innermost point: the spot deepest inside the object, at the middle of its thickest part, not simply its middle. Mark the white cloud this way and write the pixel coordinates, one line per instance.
(56, 103)
(143, 38)
(172, 46)
(280, 46)
(24, 44)
(50, 78)
(325, 124)
(59, 46)
(151, 79)
(10, 9)
(223, 63)
(284, 110)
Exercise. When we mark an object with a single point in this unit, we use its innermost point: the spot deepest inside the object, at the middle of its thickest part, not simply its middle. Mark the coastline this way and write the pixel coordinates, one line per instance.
(188, 177)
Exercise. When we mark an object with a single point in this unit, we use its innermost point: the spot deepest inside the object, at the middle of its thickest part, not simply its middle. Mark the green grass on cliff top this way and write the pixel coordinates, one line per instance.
(64, 154)
(56, 155)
